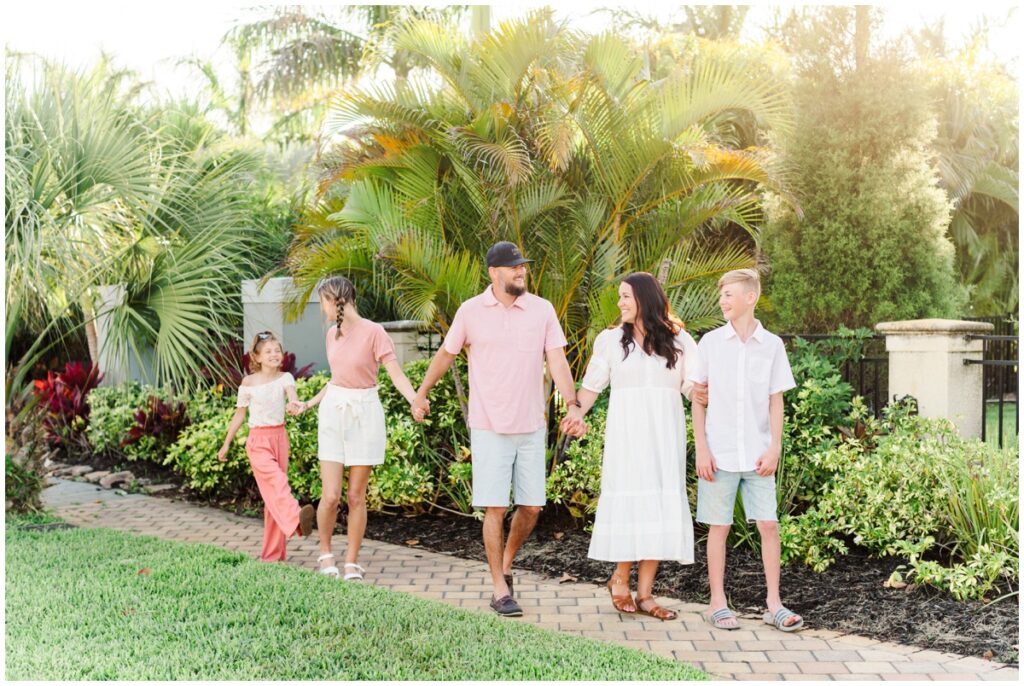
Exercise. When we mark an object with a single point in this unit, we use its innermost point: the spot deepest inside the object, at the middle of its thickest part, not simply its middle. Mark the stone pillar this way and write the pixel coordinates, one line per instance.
(263, 309)
(405, 335)
(926, 361)
(115, 371)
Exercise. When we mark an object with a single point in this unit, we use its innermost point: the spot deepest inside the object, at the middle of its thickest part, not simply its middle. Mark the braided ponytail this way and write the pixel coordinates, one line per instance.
(340, 291)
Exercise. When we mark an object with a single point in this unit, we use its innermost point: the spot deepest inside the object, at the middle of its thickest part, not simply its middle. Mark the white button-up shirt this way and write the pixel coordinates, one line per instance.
(740, 377)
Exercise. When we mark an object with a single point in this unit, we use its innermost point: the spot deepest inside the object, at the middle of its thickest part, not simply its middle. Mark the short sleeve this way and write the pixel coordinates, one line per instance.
(782, 374)
(456, 336)
(383, 346)
(598, 372)
(698, 373)
(691, 361)
(554, 337)
(244, 397)
(287, 379)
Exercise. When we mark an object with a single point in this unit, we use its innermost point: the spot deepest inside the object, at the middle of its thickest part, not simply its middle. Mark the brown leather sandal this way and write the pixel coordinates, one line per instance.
(654, 610)
(622, 603)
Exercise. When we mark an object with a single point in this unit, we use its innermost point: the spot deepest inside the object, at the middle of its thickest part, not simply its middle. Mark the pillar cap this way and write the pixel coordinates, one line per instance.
(932, 327)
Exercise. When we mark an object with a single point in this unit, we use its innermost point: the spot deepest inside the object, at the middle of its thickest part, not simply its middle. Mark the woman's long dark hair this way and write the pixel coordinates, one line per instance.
(660, 327)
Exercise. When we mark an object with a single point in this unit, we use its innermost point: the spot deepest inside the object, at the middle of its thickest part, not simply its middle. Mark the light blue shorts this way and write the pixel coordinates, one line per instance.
(716, 500)
(508, 462)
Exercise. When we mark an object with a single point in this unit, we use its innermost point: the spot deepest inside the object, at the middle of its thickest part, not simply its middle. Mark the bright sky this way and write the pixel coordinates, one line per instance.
(150, 36)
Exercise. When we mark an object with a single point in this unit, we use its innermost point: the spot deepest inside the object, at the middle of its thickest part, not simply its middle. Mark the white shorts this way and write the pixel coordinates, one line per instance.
(350, 426)
(508, 462)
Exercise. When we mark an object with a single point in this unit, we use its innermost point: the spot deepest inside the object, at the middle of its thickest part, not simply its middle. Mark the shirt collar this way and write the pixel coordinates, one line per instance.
(758, 334)
(490, 300)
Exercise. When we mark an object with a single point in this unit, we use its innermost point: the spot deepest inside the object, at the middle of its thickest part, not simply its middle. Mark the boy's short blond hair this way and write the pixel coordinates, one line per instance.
(748, 277)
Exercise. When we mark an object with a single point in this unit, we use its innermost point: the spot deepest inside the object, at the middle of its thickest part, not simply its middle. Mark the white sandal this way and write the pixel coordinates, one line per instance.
(356, 575)
(331, 571)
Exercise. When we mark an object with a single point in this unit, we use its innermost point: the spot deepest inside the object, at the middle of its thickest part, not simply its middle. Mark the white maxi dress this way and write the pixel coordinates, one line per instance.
(642, 512)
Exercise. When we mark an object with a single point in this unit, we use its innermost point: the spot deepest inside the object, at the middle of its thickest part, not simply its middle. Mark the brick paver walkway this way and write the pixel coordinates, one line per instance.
(755, 652)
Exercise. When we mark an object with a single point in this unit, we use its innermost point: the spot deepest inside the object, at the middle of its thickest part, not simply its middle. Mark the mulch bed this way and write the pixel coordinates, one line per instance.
(848, 597)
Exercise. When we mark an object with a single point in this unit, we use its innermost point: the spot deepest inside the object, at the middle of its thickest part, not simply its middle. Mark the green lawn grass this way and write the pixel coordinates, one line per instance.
(100, 604)
(1009, 424)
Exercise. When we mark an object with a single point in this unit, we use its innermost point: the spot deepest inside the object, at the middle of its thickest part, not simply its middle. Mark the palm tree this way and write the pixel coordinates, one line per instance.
(293, 58)
(977, 159)
(100, 191)
(548, 138)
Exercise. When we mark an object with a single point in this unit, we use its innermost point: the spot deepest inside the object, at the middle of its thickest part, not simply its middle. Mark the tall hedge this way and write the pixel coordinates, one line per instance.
(871, 245)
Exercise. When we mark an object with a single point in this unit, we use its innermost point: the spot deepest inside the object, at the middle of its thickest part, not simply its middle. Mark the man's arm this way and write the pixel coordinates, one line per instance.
(558, 367)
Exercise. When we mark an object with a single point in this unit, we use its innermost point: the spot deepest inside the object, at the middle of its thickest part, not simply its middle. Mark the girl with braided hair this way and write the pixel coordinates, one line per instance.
(350, 419)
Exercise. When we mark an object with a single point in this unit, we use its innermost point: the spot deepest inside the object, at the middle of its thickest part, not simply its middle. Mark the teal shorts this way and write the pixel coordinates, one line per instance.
(716, 500)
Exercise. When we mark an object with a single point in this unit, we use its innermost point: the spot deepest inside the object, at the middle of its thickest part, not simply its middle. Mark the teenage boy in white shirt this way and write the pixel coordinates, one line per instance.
(738, 439)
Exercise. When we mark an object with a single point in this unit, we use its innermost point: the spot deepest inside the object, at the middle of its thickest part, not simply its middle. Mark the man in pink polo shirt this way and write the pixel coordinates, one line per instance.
(509, 334)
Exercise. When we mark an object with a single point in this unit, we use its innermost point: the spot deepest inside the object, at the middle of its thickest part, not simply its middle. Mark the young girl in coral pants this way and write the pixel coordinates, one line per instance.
(263, 393)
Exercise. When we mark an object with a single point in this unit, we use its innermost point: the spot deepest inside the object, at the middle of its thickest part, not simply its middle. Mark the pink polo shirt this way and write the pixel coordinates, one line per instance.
(506, 359)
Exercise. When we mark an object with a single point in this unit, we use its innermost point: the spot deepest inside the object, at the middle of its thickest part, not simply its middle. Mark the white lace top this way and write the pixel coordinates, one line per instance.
(266, 401)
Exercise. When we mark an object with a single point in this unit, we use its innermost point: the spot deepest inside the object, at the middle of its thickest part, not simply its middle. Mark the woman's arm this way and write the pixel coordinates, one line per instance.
(233, 426)
(400, 380)
(315, 400)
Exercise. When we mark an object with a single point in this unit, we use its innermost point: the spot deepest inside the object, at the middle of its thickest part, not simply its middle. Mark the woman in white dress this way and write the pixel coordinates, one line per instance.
(642, 514)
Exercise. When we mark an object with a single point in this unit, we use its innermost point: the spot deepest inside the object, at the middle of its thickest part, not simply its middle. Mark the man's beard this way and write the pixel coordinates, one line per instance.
(515, 290)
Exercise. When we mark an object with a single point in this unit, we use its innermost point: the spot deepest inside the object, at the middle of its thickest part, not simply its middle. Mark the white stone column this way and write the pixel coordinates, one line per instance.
(405, 334)
(263, 309)
(926, 361)
(115, 371)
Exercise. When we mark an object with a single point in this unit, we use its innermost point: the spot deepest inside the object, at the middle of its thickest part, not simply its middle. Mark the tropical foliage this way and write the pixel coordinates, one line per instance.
(977, 145)
(872, 243)
(102, 190)
(554, 140)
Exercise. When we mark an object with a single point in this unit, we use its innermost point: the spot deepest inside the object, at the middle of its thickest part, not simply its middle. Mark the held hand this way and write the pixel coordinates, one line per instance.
(573, 424)
(296, 407)
(767, 463)
(222, 454)
(420, 408)
(706, 466)
(699, 394)
(573, 427)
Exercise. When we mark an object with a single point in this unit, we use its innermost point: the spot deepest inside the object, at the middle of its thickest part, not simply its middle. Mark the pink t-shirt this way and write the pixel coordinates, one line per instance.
(506, 359)
(356, 356)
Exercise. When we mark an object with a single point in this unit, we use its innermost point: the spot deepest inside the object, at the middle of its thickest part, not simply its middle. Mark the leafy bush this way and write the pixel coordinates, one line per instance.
(64, 395)
(22, 486)
(157, 426)
(913, 486)
(112, 416)
(871, 241)
(576, 481)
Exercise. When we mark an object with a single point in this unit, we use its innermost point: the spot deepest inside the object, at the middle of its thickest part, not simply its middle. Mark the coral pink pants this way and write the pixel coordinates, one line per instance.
(267, 448)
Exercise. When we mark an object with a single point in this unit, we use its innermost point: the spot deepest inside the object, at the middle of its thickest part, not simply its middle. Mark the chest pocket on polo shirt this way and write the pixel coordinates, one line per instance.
(530, 339)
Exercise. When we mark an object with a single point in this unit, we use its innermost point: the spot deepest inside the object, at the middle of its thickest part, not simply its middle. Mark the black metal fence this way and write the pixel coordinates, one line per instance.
(1000, 366)
(867, 370)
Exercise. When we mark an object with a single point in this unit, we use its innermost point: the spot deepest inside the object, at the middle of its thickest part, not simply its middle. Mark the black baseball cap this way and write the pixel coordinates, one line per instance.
(505, 254)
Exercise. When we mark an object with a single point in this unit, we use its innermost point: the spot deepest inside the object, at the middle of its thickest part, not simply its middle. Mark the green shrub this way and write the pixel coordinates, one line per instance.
(912, 486)
(112, 414)
(869, 242)
(576, 481)
(22, 487)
